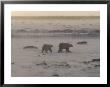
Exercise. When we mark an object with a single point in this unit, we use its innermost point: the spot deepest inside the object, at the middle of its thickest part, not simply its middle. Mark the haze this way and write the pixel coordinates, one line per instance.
(55, 13)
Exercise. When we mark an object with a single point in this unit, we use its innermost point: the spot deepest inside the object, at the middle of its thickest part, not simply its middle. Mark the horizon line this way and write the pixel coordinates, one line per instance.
(55, 16)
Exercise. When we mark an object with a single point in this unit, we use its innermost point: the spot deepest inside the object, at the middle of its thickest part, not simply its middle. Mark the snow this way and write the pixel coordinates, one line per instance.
(32, 63)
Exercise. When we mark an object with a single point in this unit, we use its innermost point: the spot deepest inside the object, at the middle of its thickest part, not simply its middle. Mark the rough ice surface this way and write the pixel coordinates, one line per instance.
(29, 62)
(83, 61)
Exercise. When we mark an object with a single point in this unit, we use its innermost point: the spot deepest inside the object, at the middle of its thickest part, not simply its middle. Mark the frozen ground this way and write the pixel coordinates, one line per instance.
(84, 61)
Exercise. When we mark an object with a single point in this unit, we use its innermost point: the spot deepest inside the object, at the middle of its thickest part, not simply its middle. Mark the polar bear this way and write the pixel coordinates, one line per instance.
(65, 46)
(46, 48)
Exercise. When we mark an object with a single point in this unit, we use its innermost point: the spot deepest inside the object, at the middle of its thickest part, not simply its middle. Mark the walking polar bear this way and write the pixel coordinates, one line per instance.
(46, 48)
(65, 46)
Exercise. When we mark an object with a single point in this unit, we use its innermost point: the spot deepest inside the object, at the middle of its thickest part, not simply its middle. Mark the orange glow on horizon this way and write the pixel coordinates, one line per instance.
(55, 13)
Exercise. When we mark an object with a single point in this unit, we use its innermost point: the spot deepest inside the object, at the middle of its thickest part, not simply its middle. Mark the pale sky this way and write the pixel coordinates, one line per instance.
(55, 13)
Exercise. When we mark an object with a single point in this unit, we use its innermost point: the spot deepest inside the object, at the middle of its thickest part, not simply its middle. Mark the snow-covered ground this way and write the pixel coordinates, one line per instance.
(84, 61)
